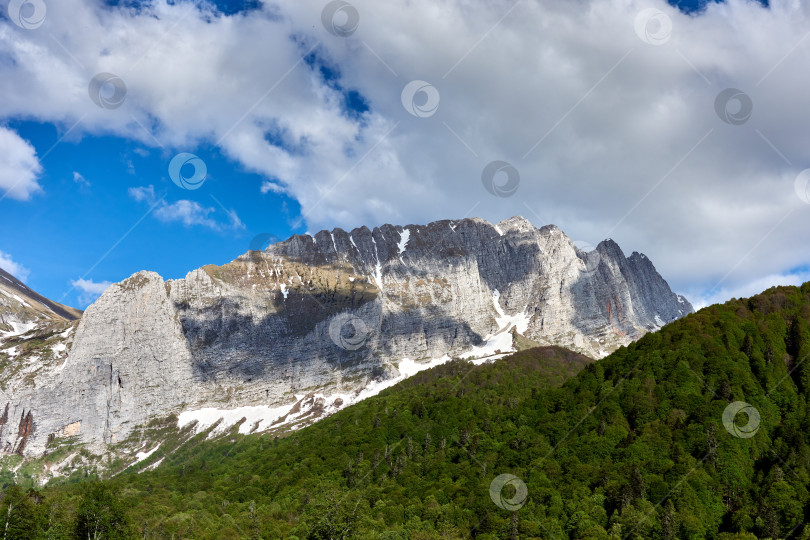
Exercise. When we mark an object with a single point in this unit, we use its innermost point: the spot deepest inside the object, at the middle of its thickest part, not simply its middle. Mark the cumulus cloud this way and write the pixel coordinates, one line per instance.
(611, 136)
(15, 269)
(189, 213)
(19, 166)
(89, 290)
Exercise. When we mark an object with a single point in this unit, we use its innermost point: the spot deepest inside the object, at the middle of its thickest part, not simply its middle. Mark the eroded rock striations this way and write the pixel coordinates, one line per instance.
(325, 316)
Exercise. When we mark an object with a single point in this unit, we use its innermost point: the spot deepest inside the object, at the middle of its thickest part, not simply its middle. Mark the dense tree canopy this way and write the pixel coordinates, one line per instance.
(699, 430)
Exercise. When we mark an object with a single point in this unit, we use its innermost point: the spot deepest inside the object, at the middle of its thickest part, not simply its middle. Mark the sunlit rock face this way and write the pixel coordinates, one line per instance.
(315, 323)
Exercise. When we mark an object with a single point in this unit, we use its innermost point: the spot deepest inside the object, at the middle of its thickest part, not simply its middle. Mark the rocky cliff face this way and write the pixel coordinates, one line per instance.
(316, 322)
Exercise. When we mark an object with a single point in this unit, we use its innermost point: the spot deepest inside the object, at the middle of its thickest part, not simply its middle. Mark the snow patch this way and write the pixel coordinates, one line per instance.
(488, 359)
(262, 418)
(403, 240)
(140, 456)
(284, 290)
(378, 275)
(15, 297)
(409, 368)
(23, 328)
(18, 329)
(377, 267)
(209, 416)
(154, 465)
(500, 342)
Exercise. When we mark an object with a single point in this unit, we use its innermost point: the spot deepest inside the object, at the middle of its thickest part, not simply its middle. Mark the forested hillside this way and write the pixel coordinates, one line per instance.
(642, 444)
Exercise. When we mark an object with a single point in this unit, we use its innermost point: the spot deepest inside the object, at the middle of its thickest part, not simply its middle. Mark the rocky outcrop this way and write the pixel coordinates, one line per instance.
(328, 315)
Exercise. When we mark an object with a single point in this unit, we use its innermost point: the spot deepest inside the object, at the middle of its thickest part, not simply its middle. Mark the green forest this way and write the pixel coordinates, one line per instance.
(643, 444)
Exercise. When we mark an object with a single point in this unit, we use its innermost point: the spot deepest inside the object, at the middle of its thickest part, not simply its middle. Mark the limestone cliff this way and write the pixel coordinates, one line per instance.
(315, 322)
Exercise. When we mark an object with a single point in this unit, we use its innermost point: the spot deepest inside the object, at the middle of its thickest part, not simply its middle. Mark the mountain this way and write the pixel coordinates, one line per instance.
(699, 430)
(22, 309)
(315, 323)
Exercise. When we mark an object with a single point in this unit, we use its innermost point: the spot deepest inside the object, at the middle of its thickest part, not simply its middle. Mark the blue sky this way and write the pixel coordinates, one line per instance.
(65, 232)
(302, 130)
(693, 6)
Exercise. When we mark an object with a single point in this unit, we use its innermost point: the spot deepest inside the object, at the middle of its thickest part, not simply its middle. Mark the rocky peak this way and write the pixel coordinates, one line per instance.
(338, 315)
(515, 223)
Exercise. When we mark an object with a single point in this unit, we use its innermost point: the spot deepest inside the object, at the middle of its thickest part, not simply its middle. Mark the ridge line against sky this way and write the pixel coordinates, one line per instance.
(313, 115)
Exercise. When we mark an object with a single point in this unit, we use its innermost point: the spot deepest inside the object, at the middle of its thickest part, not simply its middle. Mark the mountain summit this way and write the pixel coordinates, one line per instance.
(311, 324)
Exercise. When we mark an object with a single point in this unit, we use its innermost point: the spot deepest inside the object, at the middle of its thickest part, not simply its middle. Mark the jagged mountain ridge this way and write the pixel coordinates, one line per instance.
(21, 308)
(267, 332)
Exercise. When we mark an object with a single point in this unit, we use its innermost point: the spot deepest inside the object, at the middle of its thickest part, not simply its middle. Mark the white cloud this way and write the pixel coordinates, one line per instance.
(81, 180)
(19, 166)
(721, 294)
(143, 194)
(90, 290)
(623, 135)
(189, 213)
(268, 186)
(15, 269)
